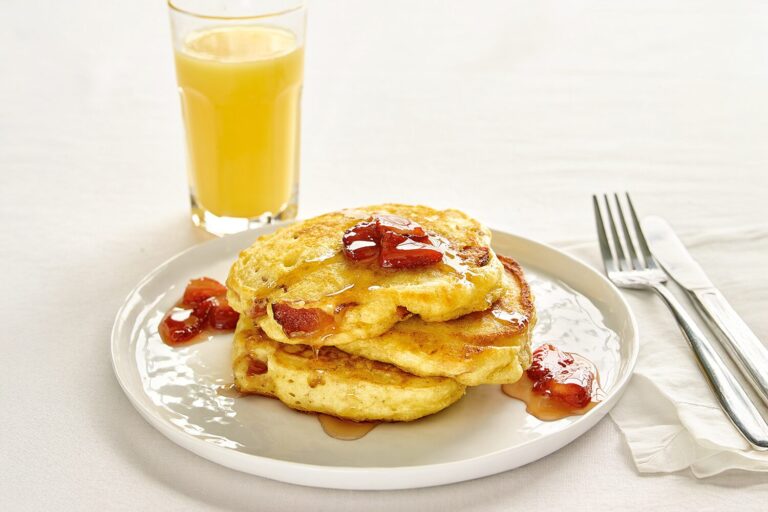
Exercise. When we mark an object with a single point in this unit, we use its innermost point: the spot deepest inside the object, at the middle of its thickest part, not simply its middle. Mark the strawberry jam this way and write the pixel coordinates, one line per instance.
(203, 308)
(202, 288)
(557, 384)
(394, 242)
(222, 317)
(399, 251)
(361, 242)
(556, 373)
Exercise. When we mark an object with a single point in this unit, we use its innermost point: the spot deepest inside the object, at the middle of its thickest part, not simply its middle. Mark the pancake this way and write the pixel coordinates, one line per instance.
(301, 273)
(334, 382)
(489, 347)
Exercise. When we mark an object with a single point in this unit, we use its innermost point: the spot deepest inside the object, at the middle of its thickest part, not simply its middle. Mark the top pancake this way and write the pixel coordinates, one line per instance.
(303, 266)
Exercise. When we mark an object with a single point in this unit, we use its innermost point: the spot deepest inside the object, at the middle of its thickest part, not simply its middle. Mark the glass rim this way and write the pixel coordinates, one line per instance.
(172, 5)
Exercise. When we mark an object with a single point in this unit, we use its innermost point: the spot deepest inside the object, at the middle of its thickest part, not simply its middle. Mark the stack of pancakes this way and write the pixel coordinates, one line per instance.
(350, 339)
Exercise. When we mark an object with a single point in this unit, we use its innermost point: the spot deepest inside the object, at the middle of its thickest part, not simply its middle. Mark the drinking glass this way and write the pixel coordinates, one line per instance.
(240, 70)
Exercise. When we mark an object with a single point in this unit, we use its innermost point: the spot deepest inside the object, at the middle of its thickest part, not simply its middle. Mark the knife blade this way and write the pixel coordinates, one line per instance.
(747, 351)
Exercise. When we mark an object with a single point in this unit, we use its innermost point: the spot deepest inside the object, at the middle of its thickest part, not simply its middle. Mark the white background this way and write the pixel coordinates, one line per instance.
(513, 111)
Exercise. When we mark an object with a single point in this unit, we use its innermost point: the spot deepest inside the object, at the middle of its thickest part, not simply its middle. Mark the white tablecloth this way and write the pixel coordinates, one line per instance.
(513, 111)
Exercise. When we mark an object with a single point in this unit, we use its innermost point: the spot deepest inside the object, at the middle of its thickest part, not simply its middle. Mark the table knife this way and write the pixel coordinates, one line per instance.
(749, 353)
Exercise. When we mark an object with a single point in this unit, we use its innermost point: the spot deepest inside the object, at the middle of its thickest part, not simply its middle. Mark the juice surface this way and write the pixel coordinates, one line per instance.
(240, 91)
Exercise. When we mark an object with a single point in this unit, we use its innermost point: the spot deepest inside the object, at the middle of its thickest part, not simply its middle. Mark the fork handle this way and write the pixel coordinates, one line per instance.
(731, 395)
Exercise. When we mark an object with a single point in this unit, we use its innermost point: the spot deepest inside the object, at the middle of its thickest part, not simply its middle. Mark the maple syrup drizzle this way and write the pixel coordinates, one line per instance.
(543, 406)
(347, 295)
(229, 391)
(341, 290)
(345, 430)
(513, 317)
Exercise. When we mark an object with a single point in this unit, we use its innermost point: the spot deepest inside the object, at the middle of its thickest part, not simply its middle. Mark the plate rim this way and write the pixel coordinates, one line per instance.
(245, 462)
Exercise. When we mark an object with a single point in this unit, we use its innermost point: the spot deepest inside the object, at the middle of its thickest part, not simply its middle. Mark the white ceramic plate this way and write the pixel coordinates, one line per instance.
(178, 390)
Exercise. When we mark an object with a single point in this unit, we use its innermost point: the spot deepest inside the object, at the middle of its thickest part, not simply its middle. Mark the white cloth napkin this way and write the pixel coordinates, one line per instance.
(668, 415)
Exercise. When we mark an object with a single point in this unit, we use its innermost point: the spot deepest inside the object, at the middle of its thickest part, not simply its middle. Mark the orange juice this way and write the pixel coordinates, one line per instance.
(240, 90)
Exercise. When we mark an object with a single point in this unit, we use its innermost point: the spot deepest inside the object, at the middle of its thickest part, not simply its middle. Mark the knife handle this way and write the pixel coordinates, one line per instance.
(741, 343)
(729, 392)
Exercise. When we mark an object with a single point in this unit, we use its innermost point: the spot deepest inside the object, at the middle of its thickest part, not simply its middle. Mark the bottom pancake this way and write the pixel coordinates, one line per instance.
(334, 382)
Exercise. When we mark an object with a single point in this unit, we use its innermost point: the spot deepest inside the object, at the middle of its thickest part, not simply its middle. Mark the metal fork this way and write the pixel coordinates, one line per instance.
(641, 271)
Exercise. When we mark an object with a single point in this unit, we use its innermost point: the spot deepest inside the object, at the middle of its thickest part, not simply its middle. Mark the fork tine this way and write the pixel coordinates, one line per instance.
(627, 238)
(650, 261)
(605, 248)
(623, 263)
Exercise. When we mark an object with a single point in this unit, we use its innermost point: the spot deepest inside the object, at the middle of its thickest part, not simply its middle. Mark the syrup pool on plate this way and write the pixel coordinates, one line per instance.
(345, 430)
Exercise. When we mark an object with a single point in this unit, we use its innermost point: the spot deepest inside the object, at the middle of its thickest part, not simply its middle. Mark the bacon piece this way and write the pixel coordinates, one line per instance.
(557, 374)
(300, 321)
(343, 307)
(258, 309)
(256, 367)
(479, 256)
(403, 312)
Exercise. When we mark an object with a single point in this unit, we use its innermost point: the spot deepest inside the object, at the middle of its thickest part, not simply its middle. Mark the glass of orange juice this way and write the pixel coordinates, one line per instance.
(240, 69)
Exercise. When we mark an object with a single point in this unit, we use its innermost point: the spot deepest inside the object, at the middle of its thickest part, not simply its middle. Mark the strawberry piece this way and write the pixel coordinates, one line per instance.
(395, 241)
(361, 241)
(182, 325)
(547, 359)
(300, 321)
(399, 251)
(201, 289)
(571, 393)
(558, 375)
(203, 306)
(222, 316)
